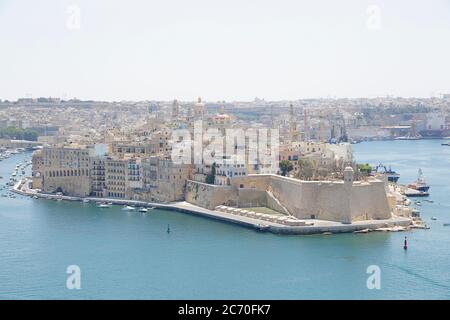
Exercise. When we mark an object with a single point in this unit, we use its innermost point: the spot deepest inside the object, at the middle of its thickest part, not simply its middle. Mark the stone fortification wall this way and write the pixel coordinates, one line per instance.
(209, 196)
(335, 201)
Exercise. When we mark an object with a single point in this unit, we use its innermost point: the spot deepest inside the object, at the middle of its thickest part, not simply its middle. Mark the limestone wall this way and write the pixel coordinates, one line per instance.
(76, 186)
(249, 198)
(209, 196)
(335, 201)
(369, 201)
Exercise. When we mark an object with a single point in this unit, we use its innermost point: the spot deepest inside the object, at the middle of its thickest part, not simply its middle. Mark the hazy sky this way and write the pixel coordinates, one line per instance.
(223, 50)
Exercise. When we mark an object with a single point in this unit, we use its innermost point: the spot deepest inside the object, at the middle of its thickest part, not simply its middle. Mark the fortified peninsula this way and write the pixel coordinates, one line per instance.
(272, 179)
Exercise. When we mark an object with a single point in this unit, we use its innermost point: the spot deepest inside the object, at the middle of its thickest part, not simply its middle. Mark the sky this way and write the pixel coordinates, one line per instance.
(223, 50)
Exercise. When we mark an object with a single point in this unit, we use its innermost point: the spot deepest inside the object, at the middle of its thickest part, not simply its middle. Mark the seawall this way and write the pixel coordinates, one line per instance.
(318, 227)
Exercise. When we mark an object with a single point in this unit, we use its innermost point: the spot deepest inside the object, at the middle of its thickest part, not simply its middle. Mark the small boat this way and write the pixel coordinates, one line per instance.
(446, 224)
(85, 200)
(128, 208)
(433, 218)
(263, 227)
(104, 205)
(143, 210)
(419, 184)
(35, 197)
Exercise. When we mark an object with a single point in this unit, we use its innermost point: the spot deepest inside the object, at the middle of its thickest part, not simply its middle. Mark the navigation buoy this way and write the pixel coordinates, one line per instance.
(168, 228)
(405, 244)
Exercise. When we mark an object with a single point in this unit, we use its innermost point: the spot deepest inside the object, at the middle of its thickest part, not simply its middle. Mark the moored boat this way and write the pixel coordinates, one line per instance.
(104, 205)
(392, 176)
(420, 184)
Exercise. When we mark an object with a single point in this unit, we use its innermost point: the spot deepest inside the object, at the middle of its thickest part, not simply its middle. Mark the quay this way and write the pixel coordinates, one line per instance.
(308, 227)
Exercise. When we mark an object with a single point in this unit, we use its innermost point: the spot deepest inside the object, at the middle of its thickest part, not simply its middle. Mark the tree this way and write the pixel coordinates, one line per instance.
(365, 169)
(210, 178)
(18, 133)
(285, 167)
(306, 169)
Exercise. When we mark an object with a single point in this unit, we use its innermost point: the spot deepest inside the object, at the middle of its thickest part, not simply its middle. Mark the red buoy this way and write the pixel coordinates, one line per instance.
(405, 244)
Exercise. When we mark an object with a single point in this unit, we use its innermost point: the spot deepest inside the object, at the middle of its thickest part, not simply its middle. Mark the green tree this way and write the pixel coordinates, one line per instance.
(285, 167)
(210, 178)
(365, 169)
(306, 169)
(18, 133)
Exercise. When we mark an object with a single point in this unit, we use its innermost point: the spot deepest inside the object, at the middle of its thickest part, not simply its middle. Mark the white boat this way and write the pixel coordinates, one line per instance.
(128, 208)
(85, 200)
(143, 210)
(104, 205)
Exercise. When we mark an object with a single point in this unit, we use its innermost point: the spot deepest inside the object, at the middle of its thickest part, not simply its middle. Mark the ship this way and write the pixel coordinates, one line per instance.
(436, 126)
(420, 184)
(392, 176)
(435, 134)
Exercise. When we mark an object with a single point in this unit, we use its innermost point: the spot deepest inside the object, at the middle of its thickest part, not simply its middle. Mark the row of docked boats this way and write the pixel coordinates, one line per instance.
(6, 153)
(125, 208)
(18, 170)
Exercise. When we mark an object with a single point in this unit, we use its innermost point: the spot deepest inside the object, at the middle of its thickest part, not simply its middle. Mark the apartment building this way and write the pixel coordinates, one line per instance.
(65, 169)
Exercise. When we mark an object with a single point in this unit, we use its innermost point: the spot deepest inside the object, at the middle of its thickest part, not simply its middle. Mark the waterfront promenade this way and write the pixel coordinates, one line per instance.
(312, 226)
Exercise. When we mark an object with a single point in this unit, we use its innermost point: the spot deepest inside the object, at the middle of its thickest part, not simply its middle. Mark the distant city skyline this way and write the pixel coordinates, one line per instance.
(232, 51)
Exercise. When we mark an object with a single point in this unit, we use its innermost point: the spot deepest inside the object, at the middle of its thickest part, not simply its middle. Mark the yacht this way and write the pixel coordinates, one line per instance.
(143, 210)
(128, 208)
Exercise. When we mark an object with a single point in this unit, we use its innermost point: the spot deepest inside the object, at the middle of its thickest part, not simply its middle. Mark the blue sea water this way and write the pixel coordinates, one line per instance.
(126, 255)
